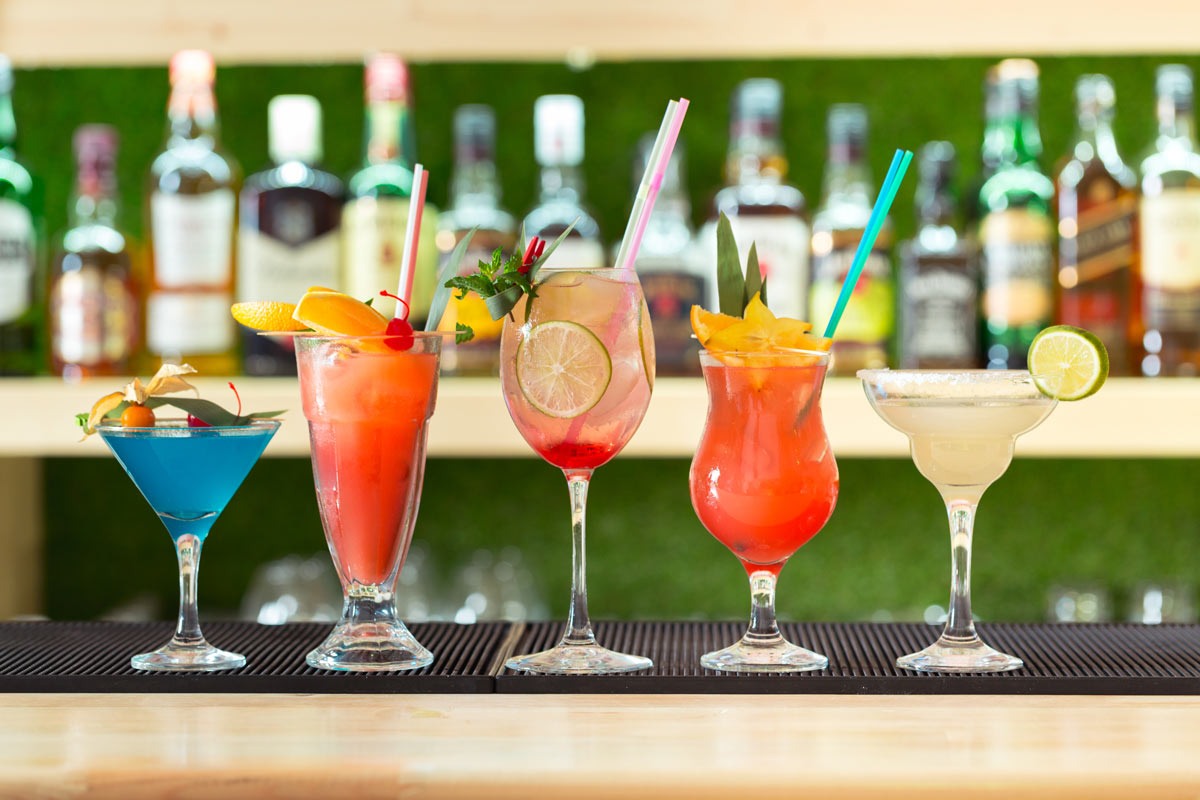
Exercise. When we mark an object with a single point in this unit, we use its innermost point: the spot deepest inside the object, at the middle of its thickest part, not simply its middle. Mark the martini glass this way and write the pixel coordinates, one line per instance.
(188, 475)
(962, 426)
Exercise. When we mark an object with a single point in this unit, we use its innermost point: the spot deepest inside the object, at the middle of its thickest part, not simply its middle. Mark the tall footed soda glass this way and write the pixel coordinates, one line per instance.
(763, 482)
(368, 401)
(577, 377)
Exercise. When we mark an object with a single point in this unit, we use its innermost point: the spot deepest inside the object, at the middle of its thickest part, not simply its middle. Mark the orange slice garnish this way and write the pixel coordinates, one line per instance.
(338, 314)
(706, 323)
(266, 316)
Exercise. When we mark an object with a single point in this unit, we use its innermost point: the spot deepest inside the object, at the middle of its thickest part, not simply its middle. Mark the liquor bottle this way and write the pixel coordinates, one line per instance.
(1097, 205)
(846, 199)
(20, 223)
(474, 203)
(1169, 218)
(763, 210)
(558, 149)
(989, 153)
(376, 211)
(192, 199)
(939, 275)
(288, 236)
(673, 277)
(1016, 227)
(93, 298)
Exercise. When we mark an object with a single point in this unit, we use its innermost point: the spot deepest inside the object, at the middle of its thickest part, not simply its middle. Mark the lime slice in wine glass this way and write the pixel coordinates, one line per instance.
(563, 368)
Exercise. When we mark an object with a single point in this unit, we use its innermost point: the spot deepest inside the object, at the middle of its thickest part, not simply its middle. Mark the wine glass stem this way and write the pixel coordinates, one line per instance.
(579, 627)
(959, 625)
(187, 630)
(763, 627)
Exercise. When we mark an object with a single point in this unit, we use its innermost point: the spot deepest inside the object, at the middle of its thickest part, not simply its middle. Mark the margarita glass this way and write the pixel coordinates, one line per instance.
(368, 406)
(763, 482)
(188, 475)
(962, 426)
(577, 377)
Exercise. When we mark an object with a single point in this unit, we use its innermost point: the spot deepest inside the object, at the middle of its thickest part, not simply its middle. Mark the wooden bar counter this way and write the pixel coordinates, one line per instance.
(596, 746)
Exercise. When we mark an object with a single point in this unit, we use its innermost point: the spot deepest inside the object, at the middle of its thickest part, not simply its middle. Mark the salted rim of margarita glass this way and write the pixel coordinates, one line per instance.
(965, 384)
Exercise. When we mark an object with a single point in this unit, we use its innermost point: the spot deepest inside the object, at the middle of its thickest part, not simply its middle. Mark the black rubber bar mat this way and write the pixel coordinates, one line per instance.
(94, 657)
(1059, 659)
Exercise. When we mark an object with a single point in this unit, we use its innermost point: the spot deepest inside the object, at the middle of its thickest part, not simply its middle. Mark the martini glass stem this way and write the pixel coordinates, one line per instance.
(763, 630)
(187, 630)
(579, 627)
(959, 625)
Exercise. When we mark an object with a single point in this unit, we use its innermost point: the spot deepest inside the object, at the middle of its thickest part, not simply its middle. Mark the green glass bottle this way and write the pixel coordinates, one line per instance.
(21, 289)
(1016, 225)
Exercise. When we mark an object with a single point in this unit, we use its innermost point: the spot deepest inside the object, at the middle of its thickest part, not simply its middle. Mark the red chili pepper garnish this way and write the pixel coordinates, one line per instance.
(196, 422)
(400, 300)
(541, 248)
(400, 334)
(533, 252)
(238, 396)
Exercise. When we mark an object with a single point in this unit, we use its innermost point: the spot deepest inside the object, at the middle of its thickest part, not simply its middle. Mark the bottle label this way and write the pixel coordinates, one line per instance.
(577, 253)
(373, 241)
(782, 244)
(870, 316)
(1171, 259)
(16, 260)
(1103, 242)
(193, 238)
(1018, 268)
(186, 323)
(670, 292)
(269, 269)
(941, 311)
(93, 318)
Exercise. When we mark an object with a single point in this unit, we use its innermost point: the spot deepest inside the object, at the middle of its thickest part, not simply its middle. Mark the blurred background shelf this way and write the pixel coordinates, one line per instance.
(1130, 418)
(126, 32)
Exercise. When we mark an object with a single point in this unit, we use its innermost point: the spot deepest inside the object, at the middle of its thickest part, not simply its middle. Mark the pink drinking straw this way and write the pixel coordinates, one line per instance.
(412, 237)
(656, 169)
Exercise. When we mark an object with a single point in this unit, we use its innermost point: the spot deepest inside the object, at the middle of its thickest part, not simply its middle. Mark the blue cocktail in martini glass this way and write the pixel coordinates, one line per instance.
(188, 475)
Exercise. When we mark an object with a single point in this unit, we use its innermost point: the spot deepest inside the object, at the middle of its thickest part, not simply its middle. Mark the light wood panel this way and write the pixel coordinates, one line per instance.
(62, 32)
(1128, 418)
(588, 747)
(21, 512)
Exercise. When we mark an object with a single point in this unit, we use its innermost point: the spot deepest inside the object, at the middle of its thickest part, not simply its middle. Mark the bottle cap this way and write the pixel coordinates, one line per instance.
(846, 127)
(1174, 80)
(294, 128)
(1016, 89)
(474, 134)
(6, 76)
(386, 78)
(95, 149)
(936, 168)
(755, 108)
(193, 66)
(1094, 95)
(558, 130)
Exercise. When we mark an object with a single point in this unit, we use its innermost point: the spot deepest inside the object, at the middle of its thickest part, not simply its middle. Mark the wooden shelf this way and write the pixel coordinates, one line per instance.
(1128, 418)
(122, 32)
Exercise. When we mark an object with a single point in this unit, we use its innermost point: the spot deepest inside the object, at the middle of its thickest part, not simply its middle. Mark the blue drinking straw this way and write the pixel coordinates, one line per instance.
(887, 193)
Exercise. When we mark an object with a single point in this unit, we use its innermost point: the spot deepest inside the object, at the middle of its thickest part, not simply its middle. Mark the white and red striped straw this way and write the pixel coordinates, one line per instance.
(652, 178)
(412, 236)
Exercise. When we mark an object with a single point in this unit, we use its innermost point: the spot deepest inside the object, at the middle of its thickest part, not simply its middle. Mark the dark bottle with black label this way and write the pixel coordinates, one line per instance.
(939, 275)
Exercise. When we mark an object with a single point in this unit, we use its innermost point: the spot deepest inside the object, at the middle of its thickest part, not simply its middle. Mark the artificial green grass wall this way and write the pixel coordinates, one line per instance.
(910, 101)
(885, 549)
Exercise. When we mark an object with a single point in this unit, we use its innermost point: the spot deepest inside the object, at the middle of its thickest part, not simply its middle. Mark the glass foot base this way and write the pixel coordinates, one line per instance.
(578, 659)
(201, 657)
(370, 647)
(777, 656)
(968, 655)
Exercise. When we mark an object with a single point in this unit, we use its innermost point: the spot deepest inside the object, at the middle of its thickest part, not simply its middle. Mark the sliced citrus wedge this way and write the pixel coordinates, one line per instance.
(706, 323)
(266, 316)
(1068, 363)
(563, 368)
(339, 314)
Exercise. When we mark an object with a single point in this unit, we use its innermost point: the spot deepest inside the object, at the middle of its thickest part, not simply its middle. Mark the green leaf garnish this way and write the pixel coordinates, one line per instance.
(465, 333)
(731, 283)
(441, 295)
(754, 279)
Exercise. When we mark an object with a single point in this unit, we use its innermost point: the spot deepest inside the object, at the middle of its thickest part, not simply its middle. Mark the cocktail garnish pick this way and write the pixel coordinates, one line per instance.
(883, 203)
(167, 381)
(652, 178)
(412, 234)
